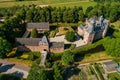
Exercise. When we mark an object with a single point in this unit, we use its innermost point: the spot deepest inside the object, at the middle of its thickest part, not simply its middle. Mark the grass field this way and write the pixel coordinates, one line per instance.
(54, 3)
(96, 57)
(20, 61)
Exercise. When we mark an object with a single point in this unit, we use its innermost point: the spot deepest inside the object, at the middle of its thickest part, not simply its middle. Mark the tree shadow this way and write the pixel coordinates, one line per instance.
(6, 67)
(80, 56)
(17, 74)
(70, 71)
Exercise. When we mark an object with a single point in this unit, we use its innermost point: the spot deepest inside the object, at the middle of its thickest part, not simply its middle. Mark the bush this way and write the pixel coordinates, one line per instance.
(65, 29)
(34, 33)
(70, 36)
(38, 60)
(67, 58)
(46, 33)
(12, 53)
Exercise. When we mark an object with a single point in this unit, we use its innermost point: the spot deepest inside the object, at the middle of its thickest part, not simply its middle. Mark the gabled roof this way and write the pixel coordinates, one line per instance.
(42, 25)
(28, 41)
(57, 45)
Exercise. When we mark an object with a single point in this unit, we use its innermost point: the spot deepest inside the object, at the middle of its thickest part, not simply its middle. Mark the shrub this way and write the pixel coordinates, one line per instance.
(70, 36)
(67, 58)
(34, 33)
(65, 29)
(12, 53)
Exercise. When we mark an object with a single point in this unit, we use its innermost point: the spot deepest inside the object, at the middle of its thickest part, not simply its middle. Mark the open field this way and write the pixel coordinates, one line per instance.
(53, 3)
(20, 61)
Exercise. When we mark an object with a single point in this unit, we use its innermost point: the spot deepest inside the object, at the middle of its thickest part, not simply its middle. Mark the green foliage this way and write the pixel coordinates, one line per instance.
(34, 33)
(48, 62)
(5, 47)
(116, 34)
(114, 76)
(112, 46)
(57, 71)
(70, 36)
(67, 58)
(6, 77)
(37, 73)
(98, 71)
(46, 33)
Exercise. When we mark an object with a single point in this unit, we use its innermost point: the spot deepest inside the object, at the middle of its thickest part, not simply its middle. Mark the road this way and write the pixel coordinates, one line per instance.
(13, 69)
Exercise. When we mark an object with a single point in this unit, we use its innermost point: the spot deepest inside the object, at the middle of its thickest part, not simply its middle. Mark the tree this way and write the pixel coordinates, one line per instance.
(37, 73)
(88, 10)
(81, 15)
(34, 33)
(70, 36)
(112, 46)
(57, 71)
(5, 47)
(68, 58)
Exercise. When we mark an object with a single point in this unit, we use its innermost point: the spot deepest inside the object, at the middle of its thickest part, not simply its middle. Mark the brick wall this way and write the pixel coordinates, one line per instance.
(56, 50)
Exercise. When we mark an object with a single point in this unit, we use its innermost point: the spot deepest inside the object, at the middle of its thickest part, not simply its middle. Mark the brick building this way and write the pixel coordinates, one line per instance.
(94, 28)
(41, 27)
(38, 44)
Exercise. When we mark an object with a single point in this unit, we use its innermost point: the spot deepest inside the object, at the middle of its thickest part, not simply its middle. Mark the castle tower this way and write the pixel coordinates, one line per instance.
(88, 37)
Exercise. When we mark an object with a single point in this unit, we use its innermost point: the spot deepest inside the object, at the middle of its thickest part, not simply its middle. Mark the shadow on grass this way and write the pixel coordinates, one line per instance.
(70, 71)
(80, 56)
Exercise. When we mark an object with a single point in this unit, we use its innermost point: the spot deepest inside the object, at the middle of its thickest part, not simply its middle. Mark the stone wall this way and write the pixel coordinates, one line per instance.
(33, 48)
(56, 50)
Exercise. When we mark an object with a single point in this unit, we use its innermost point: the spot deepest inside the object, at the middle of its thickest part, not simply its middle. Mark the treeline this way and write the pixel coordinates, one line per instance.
(111, 11)
(10, 11)
(53, 14)
(33, 13)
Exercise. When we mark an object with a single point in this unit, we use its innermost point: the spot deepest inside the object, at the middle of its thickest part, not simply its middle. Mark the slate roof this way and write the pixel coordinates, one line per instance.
(31, 41)
(44, 41)
(42, 25)
(95, 24)
(28, 41)
(57, 45)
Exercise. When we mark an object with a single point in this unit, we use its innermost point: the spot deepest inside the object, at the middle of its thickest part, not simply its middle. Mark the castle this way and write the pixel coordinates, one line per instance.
(93, 29)
(38, 44)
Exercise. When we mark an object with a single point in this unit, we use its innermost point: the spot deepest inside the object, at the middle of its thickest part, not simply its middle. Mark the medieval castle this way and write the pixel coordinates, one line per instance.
(94, 28)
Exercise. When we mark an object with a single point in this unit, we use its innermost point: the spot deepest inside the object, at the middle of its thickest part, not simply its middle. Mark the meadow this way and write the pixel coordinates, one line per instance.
(54, 3)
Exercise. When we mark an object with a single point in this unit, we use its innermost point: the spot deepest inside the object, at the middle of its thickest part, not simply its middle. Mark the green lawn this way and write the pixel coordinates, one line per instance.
(54, 3)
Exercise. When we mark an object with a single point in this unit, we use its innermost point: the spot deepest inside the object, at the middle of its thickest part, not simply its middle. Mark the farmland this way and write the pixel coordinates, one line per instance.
(53, 3)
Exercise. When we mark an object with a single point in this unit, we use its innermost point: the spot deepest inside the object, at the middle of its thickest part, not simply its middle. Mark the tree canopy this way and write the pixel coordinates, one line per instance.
(67, 58)
(70, 36)
(58, 74)
(37, 73)
(34, 33)
(5, 47)
(112, 46)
